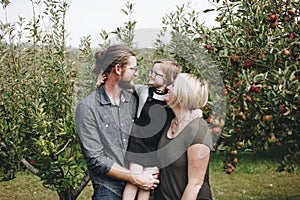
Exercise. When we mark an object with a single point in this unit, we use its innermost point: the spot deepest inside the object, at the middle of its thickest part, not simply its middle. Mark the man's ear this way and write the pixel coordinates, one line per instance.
(118, 69)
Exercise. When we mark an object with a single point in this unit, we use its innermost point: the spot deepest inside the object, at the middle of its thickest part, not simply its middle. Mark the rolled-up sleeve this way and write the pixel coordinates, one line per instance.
(88, 132)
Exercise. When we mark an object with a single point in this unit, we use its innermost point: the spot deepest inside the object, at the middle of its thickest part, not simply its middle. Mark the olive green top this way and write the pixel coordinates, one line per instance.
(172, 156)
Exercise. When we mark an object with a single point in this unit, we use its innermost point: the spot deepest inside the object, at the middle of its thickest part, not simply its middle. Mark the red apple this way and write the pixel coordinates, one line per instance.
(274, 24)
(207, 47)
(267, 118)
(294, 78)
(286, 52)
(235, 161)
(282, 109)
(229, 170)
(291, 35)
(273, 17)
(249, 63)
(292, 11)
(31, 162)
(257, 90)
(254, 89)
(261, 56)
(234, 59)
(227, 165)
(239, 144)
(210, 119)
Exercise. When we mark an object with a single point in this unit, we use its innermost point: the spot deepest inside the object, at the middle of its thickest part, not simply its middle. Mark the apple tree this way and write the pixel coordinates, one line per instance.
(256, 49)
(36, 111)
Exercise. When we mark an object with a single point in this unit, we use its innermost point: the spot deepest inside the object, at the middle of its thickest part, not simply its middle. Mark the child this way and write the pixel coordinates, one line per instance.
(152, 116)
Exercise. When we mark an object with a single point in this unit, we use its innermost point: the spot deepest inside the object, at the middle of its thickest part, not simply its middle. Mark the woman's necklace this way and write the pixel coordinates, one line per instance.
(176, 124)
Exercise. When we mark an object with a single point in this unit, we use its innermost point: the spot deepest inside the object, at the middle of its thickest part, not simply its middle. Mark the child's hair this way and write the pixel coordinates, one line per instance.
(170, 69)
(189, 91)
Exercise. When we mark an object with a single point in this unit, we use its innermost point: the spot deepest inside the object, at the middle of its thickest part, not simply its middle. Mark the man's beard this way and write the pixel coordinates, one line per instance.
(126, 84)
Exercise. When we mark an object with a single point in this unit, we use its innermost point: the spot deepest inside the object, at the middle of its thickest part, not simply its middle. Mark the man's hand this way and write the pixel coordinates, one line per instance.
(147, 180)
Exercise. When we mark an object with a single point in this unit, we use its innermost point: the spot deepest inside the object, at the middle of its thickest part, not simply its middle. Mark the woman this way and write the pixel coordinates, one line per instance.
(184, 148)
(152, 117)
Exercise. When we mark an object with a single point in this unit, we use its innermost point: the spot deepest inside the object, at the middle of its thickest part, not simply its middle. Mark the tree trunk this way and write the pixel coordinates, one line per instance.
(71, 193)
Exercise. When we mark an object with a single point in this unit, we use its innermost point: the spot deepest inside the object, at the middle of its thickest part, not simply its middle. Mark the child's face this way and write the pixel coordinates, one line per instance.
(157, 77)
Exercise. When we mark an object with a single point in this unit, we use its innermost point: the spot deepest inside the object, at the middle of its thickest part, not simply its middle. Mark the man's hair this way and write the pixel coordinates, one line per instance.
(113, 55)
(189, 91)
(170, 69)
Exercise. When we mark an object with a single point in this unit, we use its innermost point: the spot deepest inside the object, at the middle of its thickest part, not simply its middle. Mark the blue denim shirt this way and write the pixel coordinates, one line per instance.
(103, 130)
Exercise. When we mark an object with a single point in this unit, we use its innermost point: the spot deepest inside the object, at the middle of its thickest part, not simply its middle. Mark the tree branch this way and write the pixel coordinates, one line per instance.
(29, 166)
(56, 154)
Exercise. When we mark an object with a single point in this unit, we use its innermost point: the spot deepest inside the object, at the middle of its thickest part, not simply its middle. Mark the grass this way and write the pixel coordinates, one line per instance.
(254, 178)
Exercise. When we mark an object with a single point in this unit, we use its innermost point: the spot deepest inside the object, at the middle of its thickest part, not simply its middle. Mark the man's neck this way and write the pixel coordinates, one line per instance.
(113, 90)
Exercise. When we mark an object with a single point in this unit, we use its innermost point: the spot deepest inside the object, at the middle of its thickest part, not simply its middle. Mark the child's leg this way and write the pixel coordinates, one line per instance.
(144, 194)
(130, 189)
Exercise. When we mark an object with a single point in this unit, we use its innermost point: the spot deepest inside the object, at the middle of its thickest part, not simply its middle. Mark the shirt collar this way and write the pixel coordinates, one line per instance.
(104, 98)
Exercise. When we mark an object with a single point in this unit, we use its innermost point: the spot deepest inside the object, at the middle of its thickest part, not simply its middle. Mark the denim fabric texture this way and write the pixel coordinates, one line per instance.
(102, 193)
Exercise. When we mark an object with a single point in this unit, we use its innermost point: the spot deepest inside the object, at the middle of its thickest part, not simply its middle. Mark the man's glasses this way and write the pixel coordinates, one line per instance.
(154, 74)
(133, 69)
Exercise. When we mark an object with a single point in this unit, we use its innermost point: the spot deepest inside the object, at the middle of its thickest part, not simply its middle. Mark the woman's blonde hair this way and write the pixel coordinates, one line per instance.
(189, 91)
(170, 69)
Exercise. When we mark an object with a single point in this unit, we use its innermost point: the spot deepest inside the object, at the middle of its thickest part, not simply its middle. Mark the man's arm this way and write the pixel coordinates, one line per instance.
(91, 145)
(146, 180)
(96, 158)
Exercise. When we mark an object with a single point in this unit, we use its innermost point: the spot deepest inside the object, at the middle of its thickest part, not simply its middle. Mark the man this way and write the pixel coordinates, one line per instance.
(103, 122)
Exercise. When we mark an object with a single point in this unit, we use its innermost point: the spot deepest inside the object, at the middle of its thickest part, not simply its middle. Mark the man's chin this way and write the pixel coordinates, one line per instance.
(126, 85)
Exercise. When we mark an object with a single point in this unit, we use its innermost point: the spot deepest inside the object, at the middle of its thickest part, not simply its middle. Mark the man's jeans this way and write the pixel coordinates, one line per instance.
(103, 193)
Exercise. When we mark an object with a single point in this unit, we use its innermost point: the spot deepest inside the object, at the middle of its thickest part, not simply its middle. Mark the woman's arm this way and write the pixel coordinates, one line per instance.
(198, 158)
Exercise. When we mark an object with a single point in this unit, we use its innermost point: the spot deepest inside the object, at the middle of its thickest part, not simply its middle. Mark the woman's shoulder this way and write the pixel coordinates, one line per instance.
(199, 122)
(200, 132)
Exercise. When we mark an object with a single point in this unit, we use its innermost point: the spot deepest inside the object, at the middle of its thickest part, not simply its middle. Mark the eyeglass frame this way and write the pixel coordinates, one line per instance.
(135, 69)
(151, 72)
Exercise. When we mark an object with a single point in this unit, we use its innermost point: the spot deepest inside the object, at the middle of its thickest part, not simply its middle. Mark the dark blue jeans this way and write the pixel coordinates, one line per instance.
(103, 193)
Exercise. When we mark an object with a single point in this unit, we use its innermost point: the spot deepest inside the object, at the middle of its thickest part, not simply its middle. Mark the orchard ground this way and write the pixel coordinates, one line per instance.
(255, 177)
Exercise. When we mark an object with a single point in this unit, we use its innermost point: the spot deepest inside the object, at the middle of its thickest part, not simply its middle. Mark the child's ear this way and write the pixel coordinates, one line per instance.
(101, 79)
